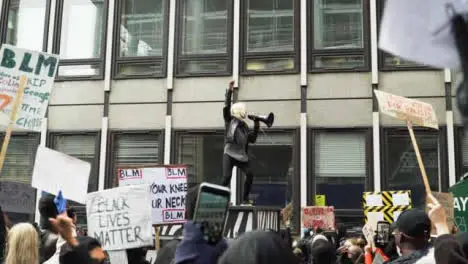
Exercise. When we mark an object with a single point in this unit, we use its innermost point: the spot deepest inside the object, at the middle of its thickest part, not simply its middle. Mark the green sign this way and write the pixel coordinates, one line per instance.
(460, 204)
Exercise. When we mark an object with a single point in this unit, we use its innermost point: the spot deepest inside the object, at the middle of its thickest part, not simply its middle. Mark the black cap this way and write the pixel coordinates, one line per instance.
(414, 223)
(79, 254)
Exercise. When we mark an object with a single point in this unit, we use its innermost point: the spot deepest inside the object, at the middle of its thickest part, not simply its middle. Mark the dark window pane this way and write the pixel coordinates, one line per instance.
(340, 167)
(205, 27)
(132, 69)
(79, 70)
(142, 28)
(338, 24)
(464, 153)
(339, 62)
(403, 170)
(203, 66)
(270, 26)
(265, 65)
(26, 24)
(82, 29)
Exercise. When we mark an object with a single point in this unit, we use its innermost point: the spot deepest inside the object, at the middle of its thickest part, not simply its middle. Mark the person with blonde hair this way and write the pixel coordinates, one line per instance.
(22, 245)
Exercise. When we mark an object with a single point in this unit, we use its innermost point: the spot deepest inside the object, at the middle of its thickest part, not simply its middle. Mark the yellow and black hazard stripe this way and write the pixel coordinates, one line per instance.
(387, 197)
(388, 212)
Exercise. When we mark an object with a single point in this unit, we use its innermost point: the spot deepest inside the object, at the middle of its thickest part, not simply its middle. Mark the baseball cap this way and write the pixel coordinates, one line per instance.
(414, 223)
(79, 254)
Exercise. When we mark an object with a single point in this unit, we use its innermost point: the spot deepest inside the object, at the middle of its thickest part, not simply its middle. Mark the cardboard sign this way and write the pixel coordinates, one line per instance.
(460, 204)
(168, 188)
(322, 217)
(16, 197)
(405, 109)
(40, 68)
(369, 232)
(55, 171)
(447, 202)
(120, 218)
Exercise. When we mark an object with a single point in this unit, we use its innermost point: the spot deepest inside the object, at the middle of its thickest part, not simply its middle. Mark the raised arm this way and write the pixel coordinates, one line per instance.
(227, 103)
(254, 133)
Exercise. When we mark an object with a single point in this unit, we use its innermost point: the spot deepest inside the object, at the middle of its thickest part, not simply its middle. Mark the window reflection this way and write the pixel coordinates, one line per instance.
(270, 26)
(82, 29)
(205, 27)
(26, 24)
(142, 28)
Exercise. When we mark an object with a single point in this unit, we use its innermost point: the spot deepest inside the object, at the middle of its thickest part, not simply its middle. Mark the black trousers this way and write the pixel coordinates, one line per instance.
(228, 164)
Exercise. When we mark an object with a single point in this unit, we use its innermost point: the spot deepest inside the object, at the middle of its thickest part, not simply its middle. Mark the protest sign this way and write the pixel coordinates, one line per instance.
(447, 202)
(320, 200)
(322, 217)
(55, 171)
(405, 109)
(121, 217)
(16, 197)
(369, 233)
(168, 188)
(460, 204)
(40, 69)
(118, 256)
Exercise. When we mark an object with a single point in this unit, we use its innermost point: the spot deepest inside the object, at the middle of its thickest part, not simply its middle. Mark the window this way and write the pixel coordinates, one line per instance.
(141, 38)
(26, 24)
(203, 154)
(84, 147)
(81, 42)
(270, 31)
(339, 35)
(134, 149)
(462, 159)
(19, 165)
(340, 165)
(205, 28)
(401, 166)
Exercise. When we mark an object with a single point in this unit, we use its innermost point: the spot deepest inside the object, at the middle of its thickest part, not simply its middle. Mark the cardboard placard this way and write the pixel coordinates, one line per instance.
(406, 109)
(322, 217)
(55, 171)
(40, 69)
(120, 218)
(16, 197)
(168, 189)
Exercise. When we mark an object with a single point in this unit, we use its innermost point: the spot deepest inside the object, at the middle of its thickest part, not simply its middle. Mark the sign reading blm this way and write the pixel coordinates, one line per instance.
(121, 217)
(40, 69)
(168, 188)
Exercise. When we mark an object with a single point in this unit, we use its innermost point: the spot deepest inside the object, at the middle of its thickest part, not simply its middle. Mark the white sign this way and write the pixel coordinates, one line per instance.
(16, 197)
(151, 256)
(400, 107)
(55, 171)
(40, 69)
(374, 200)
(400, 199)
(421, 31)
(120, 218)
(118, 256)
(168, 188)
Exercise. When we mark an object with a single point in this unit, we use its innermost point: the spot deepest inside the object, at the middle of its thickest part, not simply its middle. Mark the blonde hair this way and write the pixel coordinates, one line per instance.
(22, 245)
(239, 111)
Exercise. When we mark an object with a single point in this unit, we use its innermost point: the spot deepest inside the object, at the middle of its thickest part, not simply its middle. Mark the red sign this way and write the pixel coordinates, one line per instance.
(322, 217)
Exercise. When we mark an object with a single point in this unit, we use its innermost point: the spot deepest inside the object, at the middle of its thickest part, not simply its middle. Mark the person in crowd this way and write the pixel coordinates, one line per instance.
(194, 248)
(3, 235)
(71, 212)
(258, 247)
(22, 245)
(137, 256)
(48, 235)
(462, 239)
(412, 234)
(322, 251)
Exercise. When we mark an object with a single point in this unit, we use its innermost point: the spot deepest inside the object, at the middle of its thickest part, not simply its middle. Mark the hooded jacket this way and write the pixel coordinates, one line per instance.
(424, 256)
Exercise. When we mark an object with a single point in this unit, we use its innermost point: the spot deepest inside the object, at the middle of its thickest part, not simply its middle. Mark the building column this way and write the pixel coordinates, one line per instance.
(303, 182)
(450, 128)
(375, 85)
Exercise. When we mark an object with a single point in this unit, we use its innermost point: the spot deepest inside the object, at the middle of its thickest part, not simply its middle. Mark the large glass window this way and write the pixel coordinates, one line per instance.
(26, 24)
(141, 33)
(401, 166)
(18, 167)
(338, 34)
(134, 149)
(81, 40)
(83, 147)
(205, 37)
(270, 30)
(340, 166)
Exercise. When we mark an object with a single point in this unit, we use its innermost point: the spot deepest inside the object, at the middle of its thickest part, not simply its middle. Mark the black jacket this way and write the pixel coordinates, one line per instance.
(448, 251)
(237, 134)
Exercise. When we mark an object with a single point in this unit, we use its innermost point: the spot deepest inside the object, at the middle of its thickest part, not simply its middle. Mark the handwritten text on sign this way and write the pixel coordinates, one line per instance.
(322, 217)
(121, 217)
(40, 69)
(168, 188)
(417, 112)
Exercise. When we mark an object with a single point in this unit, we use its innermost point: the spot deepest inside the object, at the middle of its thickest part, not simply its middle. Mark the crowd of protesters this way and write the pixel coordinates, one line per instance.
(56, 241)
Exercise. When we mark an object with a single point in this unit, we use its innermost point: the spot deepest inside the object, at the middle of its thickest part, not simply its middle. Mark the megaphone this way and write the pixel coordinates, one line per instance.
(267, 120)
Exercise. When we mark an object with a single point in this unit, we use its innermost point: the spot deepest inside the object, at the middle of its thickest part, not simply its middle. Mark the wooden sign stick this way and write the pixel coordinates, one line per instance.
(14, 112)
(157, 243)
(418, 156)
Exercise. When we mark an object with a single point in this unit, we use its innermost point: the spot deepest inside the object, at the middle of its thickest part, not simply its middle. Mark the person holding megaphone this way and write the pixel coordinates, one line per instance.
(237, 137)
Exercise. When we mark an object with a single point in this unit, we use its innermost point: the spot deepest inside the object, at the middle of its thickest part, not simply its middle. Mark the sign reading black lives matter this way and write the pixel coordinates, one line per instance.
(120, 218)
(40, 69)
(168, 188)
